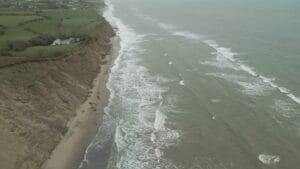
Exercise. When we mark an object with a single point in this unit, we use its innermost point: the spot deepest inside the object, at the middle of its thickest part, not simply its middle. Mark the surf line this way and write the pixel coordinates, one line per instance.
(226, 53)
(230, 56)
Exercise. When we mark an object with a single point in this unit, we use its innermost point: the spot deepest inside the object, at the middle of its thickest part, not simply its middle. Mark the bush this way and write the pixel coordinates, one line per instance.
(18, 45)
(42, 40)
(1, 30)
(84, 37)
(5, 53)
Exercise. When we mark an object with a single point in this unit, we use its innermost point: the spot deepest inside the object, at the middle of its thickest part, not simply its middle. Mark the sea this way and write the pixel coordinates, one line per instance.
(201, 84)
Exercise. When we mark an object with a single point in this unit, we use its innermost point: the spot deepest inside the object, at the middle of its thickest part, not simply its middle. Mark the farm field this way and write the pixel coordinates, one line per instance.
(35, 25)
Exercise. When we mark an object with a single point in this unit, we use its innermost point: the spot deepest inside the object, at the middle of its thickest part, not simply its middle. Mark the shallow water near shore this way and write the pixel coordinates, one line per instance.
(202, 84)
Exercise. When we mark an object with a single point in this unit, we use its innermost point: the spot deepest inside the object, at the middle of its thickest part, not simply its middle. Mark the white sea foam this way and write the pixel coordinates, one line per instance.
(165, 26)
(225, 58)
(254, 88)
(181, 82)
(215, 100)
(170, 63)
(248, 70)
(284, 108)
(269, 159)
(159, 122)
(187, 35)
(250, 87)
(269, 81)
(141, 134)
(153, 137)
(294, 98)
(211, 43)
(225, 52)
(158, 153)
(283, 90)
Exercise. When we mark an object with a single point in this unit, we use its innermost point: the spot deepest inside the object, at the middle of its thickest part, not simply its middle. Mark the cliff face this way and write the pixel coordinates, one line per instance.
(37, 99)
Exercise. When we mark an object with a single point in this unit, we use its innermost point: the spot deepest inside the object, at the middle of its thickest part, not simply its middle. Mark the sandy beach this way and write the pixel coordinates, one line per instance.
(82, 127)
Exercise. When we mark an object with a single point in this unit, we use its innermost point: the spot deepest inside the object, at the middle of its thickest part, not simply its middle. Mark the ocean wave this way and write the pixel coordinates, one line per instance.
(250, 86)
(138, 104)
(284, 108)
(269, 159)
(221, 51)
(141, 132)
(188, 35)
(165, 26)
(230, 61)
(294, 98)
(182, 83)
(226, 58)
(215, 100)
(248, 70)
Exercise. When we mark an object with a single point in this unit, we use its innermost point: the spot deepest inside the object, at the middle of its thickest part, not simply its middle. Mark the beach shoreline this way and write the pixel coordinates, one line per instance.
(82, 128)
(69, 153)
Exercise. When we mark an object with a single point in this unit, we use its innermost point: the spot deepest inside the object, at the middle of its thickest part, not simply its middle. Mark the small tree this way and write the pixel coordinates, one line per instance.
(2, 30)
(18, 45)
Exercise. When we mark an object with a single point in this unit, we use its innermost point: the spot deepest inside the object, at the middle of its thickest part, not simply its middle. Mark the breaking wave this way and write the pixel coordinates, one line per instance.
(227, 54)
(269, 159)
(136, 115)
(226, 58)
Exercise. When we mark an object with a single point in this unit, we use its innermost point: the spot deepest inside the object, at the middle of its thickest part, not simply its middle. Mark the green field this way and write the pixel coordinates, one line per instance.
(46, 51)
(30, 32)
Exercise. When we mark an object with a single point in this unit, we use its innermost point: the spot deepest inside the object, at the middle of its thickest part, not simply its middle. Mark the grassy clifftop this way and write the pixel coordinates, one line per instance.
(28, 28)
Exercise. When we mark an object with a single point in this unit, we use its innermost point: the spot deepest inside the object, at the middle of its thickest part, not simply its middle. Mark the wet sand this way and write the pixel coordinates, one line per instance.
(69, 152)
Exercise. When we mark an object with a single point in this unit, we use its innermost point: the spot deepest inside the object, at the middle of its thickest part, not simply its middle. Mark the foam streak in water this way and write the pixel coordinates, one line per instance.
(187, 35)
(138, 104)
(226, 58)
(269, 159)
(238, 65)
